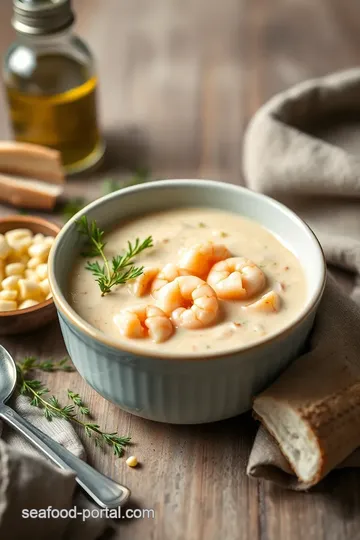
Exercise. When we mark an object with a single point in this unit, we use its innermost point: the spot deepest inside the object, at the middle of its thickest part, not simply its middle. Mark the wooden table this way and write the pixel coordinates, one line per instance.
(179, 81)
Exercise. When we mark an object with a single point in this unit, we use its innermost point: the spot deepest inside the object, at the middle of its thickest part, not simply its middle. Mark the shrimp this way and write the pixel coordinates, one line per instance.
(167, 274)
(190, 302)
(198, 259)
(236, 278)
(142, 321)
(268, 303)
(142, 283)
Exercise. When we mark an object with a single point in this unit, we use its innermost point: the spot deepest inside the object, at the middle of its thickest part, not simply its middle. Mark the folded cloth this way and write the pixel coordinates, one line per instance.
(302, 148)
(30, 482)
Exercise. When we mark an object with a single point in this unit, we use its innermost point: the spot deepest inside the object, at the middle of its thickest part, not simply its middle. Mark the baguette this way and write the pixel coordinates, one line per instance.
(315, 435)
(29, 193)
(31, 160)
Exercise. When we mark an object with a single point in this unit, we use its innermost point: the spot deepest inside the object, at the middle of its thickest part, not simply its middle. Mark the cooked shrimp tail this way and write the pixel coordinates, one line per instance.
(236, 278)
(198, 259)
(141, 285)
(168, 273)
(144, 321)
(190, 302)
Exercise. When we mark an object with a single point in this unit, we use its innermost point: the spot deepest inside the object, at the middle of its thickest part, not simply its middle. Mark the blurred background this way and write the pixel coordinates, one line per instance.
(180, 79)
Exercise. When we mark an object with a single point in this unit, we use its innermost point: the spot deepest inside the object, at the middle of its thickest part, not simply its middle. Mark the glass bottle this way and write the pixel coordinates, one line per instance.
(51, 84)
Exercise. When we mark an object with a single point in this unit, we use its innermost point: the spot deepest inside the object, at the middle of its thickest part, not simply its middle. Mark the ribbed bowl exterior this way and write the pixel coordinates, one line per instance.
(181, 391)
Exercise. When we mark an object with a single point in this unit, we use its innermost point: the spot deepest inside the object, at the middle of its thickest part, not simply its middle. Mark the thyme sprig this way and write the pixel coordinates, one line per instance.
(140, 176)
(31, 362)
(36, 390)
(120, 269)
(72, 207)
(76, 399)
(109, 185)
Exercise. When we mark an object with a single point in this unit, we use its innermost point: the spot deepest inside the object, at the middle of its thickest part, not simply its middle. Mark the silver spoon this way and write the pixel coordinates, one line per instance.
(105, 492)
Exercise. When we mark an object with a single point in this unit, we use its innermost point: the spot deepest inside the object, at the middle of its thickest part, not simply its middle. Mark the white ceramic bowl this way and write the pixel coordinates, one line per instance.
(178, 389)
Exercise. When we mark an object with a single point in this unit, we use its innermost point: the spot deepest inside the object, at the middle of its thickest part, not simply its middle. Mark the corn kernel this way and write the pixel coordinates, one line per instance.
(17, 234)
(45, 287)
(19, 239)
(5, 249)
(14, 269)
(8, 295)
(41, 271)
(10, 283)
(28, 303)
(40, 251)
(38, 239)
(49, 240)
(29, 289)
(7, 305)
(132, 461)
(20, 245)
(34, 262)
(31, 274)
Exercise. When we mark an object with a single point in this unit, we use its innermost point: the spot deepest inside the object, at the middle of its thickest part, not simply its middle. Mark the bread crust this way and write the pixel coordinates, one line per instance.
(31, 161)
(25, 196)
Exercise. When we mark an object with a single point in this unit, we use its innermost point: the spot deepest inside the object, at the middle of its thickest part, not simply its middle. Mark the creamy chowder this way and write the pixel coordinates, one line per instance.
(276, 283)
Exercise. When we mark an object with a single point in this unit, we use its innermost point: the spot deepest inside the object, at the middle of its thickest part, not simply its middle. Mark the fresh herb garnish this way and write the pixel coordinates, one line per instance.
(72, 207)
(120, 269)
(36, 391)
(140, 176)
(30, 362)
(76, 399)
(111, 185)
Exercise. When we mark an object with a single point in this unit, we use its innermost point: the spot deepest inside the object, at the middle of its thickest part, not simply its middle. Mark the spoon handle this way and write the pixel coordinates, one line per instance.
(105, 492)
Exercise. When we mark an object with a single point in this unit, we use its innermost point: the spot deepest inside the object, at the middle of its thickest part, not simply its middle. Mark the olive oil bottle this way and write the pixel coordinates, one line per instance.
(51, 84)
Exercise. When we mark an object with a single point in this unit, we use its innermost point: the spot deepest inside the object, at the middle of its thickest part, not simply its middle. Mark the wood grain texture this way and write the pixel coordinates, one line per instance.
(179, 81)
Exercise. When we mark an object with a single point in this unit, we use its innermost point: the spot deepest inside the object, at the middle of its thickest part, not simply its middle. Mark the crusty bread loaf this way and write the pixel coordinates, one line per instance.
(31, 176)
(28, 193)
(32, 161)
(314, 435)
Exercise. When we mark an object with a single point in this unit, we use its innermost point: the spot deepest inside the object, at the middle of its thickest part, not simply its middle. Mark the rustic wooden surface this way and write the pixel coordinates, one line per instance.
(179, 81)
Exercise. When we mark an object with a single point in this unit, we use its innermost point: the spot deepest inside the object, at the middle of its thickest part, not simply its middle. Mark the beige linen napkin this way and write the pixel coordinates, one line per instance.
(303, 148)
(28, 481)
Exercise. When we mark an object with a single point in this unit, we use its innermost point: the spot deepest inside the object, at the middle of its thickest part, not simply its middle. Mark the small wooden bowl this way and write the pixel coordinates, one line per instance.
(26, 320)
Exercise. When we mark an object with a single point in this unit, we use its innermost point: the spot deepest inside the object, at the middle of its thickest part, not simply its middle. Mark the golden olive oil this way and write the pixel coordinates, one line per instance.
(54, 104)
